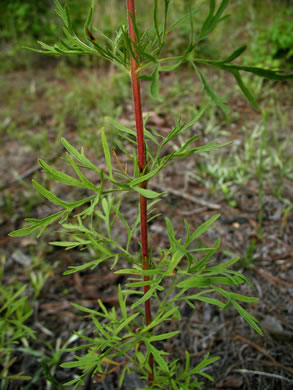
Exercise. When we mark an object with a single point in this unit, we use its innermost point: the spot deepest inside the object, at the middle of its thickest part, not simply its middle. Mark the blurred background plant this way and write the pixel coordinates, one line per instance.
(14, 312)
(266, 23)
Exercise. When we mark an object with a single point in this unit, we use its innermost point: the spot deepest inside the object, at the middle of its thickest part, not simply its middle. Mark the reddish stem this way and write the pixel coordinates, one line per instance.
(142, 166)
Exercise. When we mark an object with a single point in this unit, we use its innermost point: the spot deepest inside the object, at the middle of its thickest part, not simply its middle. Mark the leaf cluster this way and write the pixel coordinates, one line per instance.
(179, 273)
(149, 45)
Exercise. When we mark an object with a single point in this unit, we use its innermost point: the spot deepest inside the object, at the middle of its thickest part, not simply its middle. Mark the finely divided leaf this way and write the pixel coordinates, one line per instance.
(79, 156)
(39, 224)
(248, 317)
(49, 195)
(60, 176)
(201, 229)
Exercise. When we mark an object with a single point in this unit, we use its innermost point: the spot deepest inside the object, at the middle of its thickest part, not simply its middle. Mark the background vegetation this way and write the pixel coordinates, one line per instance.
(45, 98)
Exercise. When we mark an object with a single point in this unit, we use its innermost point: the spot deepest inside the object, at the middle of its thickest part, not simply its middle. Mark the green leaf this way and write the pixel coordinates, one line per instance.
(230, 295)
(212, 19)
(203, 364)
(122, 375)
(46, 47)
(79, 156)
(91, 264)
(161, 318)
(266, 73)
(149, 135)
(69, 244)
(95, 200)
(49, 195)
(262, 72)
(154, 86)
(200, 297)
(171, 233)
(209, 17)
(177, 256)
(141, 283)
(213, 96)
(60, 176)
(106, 152)
(235, 54)
(40, 223)
(128, 131)
(206, 281)
(100, 247)
(248, 317)
(12, 298)
(144, 54)
(125, 323)
(147, 193)
(24, 231)
(79, 203)
(179, 129)
(79, 380)
(201, 229)
(89, 18)
(220, 268)
(164, 336)
(157, 357)
(145, 77)
(144, 298)
(128, 271)
(135, 27)
(184, 18)
(245, 90)
(201, 149)
(149, 175)
(156, 24)
(170, 68)
(128, 43)
(86, 309)
(122, 302)
(215, 270)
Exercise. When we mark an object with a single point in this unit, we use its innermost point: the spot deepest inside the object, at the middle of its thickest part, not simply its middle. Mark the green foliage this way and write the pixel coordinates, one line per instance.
(22, 22)
(187, 272)
(149, 45)
(273, 47)
(29, 20)
(182, 272)
(19, 18)
(14, 312)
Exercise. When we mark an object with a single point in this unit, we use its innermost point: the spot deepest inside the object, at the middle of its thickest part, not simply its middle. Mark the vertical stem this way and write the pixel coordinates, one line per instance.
(142, 166)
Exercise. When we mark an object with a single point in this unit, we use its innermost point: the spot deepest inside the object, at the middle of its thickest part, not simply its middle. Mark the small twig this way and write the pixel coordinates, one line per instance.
(29, 172)
(194, 211)
(245, 371)
(265, 353)
(256, 346)
(274, 279)
(186, 196)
